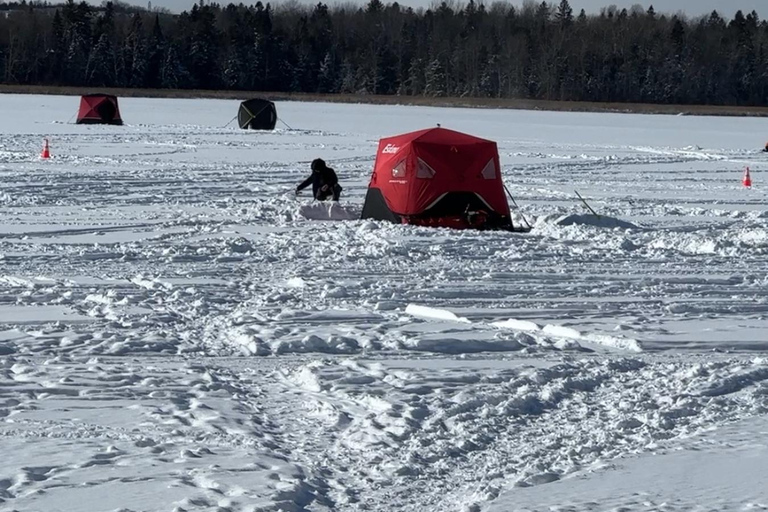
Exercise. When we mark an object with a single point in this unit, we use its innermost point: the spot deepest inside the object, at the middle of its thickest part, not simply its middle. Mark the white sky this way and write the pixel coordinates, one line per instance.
(727, 8)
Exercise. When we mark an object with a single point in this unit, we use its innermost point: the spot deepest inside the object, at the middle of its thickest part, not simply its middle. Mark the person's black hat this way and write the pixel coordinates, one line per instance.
(317, 164)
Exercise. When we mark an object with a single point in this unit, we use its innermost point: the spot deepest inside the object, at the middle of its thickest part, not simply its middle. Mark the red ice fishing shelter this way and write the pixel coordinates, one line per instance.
(98, 109)
(438, 177)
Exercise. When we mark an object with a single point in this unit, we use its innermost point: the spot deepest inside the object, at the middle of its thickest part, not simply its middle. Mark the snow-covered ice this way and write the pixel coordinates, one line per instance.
(180, 331)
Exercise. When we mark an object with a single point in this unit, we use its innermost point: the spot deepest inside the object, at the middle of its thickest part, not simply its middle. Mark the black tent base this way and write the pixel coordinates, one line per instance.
(454, 211)
(486, 223)
(518, 229)
(375, 207)
(116, 122)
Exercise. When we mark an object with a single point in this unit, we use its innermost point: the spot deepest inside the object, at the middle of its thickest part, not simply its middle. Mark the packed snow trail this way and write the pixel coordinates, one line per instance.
(344, 433)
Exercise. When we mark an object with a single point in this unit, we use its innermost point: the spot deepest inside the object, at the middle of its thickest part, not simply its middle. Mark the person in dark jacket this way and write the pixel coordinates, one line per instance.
(325, 183)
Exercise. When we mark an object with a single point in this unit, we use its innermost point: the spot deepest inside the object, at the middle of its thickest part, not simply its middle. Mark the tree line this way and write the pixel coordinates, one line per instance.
(534, 51)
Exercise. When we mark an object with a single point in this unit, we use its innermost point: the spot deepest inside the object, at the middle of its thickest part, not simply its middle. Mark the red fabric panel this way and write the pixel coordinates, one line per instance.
(88, 106)
(395, 189)
(458, 160)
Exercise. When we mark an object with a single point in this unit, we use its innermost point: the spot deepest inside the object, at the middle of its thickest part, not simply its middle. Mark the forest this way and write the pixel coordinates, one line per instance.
(500, 50)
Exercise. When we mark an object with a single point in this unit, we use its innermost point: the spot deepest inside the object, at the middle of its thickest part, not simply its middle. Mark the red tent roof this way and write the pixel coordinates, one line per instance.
(438, 136)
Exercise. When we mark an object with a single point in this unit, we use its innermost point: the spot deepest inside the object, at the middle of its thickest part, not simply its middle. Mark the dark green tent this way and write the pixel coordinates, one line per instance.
(257, 114)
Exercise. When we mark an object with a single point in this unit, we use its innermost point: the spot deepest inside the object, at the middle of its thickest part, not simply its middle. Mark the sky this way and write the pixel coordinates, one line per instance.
(727, 8)
(691, 7)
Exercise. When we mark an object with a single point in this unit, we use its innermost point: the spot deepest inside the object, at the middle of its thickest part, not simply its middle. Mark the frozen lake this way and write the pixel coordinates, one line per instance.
(183, 333)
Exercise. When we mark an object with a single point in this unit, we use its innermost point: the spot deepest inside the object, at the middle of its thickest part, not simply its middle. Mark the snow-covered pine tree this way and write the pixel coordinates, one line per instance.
(435, 79)
(100, 67)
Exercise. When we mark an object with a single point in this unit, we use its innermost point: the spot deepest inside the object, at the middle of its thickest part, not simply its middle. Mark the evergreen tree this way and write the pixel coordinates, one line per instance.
(136, 53)
(100, 67)
(385, 77)
(203, 48)
(678, 35)
(489, 81)
(538, 50)
(374, 7)
(434, 80)
(564, 14)
(282, 65)
(233, 76)
(327, 80)
(543, 12)
(303, 75)
(105, 24)
(348, 77)
(174, 75)
(76, 59)
(416, 78)
(259, 71)
(155, 54)
(56, 54)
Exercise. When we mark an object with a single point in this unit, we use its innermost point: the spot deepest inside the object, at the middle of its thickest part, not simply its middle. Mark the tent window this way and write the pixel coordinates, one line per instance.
(489, 171)
(424, 170)
(398, 171)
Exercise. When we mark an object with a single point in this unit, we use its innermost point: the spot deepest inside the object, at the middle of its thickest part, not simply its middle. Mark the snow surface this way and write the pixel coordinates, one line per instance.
(180, 331)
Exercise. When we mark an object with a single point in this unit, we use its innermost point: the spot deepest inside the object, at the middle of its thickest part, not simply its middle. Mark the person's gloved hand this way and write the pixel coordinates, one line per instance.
(324, 188)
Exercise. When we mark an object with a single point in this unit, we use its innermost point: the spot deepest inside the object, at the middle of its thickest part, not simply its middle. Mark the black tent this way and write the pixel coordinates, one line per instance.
(257, 114)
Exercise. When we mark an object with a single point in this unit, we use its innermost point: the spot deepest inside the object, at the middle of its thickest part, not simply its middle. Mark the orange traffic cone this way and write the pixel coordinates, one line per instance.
(46, 152)
(747, 181)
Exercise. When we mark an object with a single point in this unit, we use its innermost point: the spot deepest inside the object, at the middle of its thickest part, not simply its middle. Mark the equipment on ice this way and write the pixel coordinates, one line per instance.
(584, 201)
(99, 109)
(747, 181)
(46, 154)
(438, 177)
(257, 114)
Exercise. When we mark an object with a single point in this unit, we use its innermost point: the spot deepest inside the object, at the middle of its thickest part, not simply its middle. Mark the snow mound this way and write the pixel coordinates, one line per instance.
(561, 337)
(249, 343)
(428, 313)
(466, 342)
(296, 282)
(594, 338)
(517, 325)
(599, 221)
(568, 333)
(326, 211)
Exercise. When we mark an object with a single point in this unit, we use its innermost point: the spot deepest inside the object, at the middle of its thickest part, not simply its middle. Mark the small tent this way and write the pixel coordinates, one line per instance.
(98, 109)
(257, 114)
(438, 177)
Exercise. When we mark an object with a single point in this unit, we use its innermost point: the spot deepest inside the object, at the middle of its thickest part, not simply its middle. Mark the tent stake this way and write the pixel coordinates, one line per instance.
(587, 205)
(518, 208)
